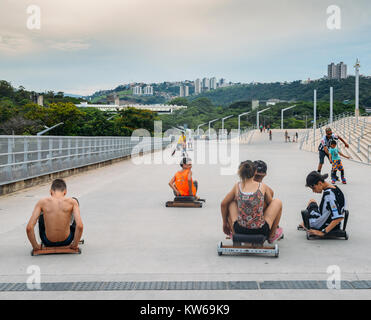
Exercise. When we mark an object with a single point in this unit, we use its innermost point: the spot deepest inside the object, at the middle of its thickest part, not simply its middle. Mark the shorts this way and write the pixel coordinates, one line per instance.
(264, 230)
(195, 183)
(322, 155)
(337, 165)
(48, 243)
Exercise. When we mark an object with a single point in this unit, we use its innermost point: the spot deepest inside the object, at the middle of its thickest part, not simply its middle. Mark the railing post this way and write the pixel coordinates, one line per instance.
(39, 146)
(359, 145)
(60, 152)
(69, 161)
(25, 156)
(77, 150)
(10, 158)
(50, 153)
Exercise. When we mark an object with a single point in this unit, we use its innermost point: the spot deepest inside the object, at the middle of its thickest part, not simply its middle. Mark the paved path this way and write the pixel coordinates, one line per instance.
(131, 236)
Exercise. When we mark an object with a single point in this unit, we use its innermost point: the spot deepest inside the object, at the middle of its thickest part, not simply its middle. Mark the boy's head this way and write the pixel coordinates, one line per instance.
(186, 163)
(261, 170)
(316, 181)
(58, 185)
(333, 144)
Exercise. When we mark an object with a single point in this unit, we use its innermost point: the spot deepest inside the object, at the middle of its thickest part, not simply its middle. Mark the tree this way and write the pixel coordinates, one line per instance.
(131, 119)
(179, 102)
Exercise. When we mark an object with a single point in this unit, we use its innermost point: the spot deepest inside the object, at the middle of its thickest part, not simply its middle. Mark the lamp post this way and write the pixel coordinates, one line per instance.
(210, 122)
(239, 121)
(48, 129)
(198, 128)
(282, 111)
(257, 117)
(223, 122)
(314, 116)
(331, 105)
(357, 66)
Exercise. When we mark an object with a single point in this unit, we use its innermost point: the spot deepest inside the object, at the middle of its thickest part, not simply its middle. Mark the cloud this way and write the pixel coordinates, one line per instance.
(71, 45)
(13, 44)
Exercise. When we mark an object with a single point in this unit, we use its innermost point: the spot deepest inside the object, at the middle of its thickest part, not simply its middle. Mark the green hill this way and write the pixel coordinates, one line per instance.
(294, 91)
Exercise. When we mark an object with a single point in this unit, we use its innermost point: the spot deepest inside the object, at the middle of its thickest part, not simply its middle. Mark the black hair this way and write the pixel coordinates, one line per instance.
(246, 170)
(59, 185)
(314, 177)
(184, 161)
(261, 166)
(333, 142)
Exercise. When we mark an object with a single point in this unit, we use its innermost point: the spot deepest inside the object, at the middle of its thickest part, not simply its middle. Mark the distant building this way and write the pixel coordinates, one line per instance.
(213, 83)
(341, 71)
(137, 91)
(337, 72)
(159, 108)
(148, 91)
(37, 98)
(254, 104)
(205, 84)
(198, 88)
(272, 102)
(222, 83)
(183, 91)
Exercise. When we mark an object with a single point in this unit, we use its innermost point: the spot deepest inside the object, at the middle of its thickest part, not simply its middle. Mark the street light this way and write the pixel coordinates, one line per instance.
(257, 117)
(223, 122)
(198, 128)
(314, 116)
(239, 121)
(331, 104)
(282, 111)
(357, 66)
(210, 122)
(48, 129)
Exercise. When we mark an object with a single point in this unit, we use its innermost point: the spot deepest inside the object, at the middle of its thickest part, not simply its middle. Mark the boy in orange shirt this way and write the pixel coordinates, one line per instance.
(182, 182)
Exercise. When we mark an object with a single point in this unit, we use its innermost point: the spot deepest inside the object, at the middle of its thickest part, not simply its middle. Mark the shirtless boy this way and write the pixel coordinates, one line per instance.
(54, 216)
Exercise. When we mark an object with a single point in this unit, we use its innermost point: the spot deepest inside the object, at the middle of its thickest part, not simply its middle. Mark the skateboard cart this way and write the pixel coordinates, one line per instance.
(185, 202)
(335, 234)
(56, 250)
(248, 244)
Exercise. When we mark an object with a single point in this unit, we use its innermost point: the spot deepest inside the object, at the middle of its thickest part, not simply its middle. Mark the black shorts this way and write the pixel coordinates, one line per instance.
(264, 230)
(48, 243)
(322, 155)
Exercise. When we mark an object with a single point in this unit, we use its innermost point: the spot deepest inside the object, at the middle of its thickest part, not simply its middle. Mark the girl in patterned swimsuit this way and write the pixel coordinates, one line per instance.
(242, 208)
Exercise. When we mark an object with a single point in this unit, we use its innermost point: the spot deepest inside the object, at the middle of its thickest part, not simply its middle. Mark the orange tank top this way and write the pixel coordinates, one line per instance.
(181, 183)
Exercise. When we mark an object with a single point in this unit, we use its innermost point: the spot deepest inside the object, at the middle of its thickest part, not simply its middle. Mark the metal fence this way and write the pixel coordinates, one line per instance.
(25, 157)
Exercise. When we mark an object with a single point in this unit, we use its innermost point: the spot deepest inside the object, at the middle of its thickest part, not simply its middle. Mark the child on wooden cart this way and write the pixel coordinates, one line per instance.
(243, 207)
(328, 215)
(182, 183)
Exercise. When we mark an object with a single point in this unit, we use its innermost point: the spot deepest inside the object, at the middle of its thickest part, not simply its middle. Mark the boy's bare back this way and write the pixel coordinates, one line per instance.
(57, 216)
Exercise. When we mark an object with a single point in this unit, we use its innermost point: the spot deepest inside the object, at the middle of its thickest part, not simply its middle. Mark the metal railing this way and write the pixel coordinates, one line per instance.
(25, 157)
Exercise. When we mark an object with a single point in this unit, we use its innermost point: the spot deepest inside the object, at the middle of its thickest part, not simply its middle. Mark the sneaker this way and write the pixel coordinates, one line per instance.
(333, 181)
(344, 181)
(277, 236)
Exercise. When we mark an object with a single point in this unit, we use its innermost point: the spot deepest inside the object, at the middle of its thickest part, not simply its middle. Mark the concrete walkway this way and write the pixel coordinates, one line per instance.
(131, 236)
